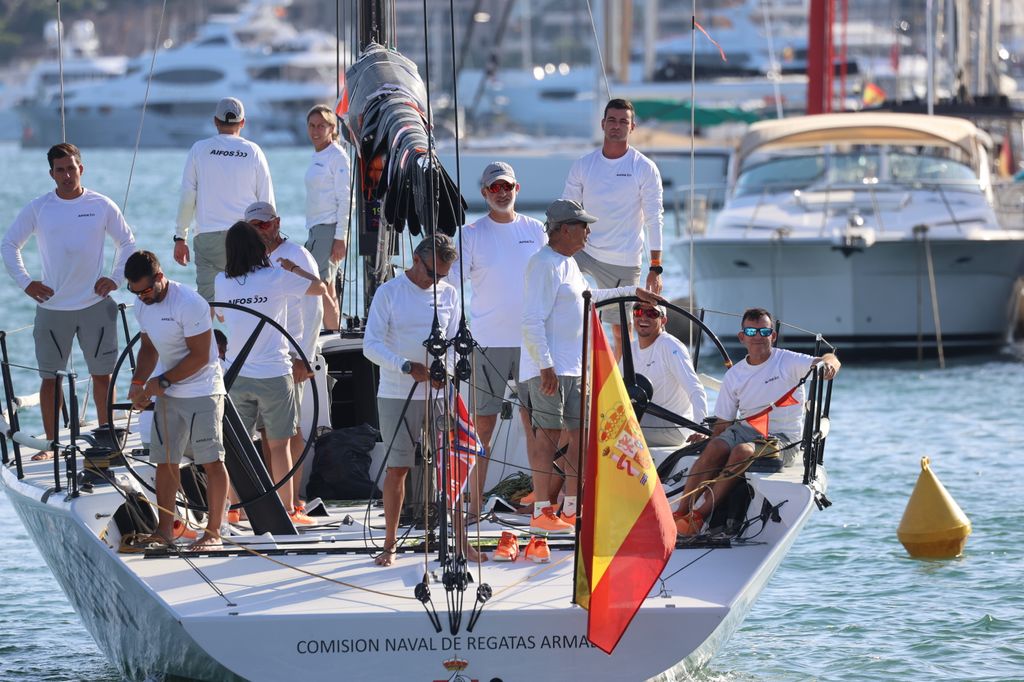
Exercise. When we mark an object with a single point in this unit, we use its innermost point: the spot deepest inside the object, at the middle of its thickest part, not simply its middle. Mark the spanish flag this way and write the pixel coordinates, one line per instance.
(627, 532)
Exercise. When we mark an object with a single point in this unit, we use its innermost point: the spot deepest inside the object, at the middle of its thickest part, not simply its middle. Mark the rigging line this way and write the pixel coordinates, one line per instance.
(337, 50)
(685, 566)
(60, 68)
(458, 167)
(531, 575)
(693, 163)
(597, 47)
(145, 101)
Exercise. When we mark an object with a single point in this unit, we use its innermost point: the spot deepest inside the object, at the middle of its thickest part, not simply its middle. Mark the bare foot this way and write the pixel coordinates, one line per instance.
(208, 541)
(42, 456)
(473, 556)
(387, 557)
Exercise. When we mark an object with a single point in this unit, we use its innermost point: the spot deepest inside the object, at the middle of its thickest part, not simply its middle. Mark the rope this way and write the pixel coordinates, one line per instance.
(145, 101)
(597, 48)
(60, 68)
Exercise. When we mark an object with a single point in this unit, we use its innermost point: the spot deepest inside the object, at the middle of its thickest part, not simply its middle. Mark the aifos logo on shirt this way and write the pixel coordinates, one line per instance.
(251, 300)
(86, 215)
(228, 152)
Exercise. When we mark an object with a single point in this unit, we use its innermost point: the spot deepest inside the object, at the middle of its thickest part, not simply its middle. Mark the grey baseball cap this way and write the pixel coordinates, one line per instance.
(261, 211)
(497, 170)
(566, 211)
(230, 110)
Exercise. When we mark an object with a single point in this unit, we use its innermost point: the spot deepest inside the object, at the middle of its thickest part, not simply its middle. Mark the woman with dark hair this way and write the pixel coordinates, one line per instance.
(264, 387)
(328, 187)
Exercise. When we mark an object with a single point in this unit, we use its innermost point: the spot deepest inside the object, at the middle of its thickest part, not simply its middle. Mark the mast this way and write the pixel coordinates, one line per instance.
(819, 57)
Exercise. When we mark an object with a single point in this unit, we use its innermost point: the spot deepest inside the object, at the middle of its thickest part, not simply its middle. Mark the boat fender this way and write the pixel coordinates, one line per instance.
(933, 525)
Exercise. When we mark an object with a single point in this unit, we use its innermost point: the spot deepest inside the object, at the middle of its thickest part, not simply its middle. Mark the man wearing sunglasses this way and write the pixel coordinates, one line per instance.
(494, 253)
(72, 294)
(552, 336)
(177, 332)
(622, 188)
(762, 379)
(665, 361)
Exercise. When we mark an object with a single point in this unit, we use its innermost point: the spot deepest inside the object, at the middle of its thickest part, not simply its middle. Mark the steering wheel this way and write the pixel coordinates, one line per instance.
(640, 390)
(229, 379)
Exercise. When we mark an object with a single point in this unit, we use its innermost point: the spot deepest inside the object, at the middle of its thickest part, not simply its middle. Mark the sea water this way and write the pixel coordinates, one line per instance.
(847, 602)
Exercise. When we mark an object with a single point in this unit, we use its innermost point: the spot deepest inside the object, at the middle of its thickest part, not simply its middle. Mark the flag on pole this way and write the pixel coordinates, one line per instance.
(464, 447)
(627, 532)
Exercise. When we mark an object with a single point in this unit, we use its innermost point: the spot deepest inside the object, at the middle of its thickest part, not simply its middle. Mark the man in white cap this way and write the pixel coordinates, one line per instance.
(304, 314)
(223, 175)
(552, 366)
(622, 188)
(494, 253)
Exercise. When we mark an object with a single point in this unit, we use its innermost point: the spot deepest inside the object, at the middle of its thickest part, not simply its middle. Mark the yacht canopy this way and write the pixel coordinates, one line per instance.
(863, 128)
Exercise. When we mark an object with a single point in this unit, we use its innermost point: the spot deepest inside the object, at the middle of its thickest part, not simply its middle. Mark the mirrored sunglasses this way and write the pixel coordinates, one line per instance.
(500, 186)
(754, 331)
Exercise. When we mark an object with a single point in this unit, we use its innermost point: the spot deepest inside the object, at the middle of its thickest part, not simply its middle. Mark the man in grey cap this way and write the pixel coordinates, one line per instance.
(552, 335)
(223, 175)
(494, 253)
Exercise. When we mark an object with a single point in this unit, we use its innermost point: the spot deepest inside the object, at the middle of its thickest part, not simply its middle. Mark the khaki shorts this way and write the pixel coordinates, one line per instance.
(272, 400)
(561, 410)
(320, 243)
(211, 257)
(492, 369)
(409, 430)
(182, 422)
(96, 329)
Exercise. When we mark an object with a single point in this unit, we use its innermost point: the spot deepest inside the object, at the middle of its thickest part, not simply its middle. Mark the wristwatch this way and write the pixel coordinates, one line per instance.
(656, 269)
(164, 382)
(407, 367)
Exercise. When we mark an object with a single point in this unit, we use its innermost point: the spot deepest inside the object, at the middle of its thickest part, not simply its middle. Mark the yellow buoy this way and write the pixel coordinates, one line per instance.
(933, 525)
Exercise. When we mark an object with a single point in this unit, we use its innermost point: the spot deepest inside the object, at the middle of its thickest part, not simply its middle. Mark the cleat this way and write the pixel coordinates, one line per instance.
(548, 522)
(300, 519)
(689, 524)
(537, 551)
(508, 547)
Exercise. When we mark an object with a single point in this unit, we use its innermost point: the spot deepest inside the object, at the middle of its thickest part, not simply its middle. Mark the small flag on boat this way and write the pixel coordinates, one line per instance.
(873, 95)
(464, 447)
(759, 421)
(707, 35)
(627, 533)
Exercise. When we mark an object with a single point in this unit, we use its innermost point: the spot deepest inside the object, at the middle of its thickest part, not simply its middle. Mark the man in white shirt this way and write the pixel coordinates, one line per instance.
(552, 365)
(177, 332)
(665, 361)
(304, 313)
(223, 175)
(72, 295)
(622, 188)
(400, 319)
(760, 381)
(494, 253)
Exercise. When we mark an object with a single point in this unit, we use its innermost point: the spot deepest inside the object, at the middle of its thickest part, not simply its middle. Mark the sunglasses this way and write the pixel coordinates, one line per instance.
(754, 331)
(499, 186)
(142, 292)
(646, 312)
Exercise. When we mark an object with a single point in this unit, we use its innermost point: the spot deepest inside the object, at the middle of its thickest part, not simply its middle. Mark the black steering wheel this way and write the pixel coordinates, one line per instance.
(229, 379)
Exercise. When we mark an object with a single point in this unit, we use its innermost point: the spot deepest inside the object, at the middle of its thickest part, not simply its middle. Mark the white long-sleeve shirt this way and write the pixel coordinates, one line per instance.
(625, 196)
(667, 364)
(304, 314)
(400, 319)
(553, 314)
(71, 237)
(327, 189)
(223, 175)
(494, 257)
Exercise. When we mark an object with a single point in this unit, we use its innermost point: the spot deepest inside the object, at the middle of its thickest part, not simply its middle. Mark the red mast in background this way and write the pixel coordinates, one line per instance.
(820, 57)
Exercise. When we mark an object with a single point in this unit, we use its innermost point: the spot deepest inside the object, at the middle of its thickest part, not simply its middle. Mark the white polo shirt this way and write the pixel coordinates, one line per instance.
(182, 314)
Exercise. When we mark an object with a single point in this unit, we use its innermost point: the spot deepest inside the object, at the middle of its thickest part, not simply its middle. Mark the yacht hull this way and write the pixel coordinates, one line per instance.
(870, 300)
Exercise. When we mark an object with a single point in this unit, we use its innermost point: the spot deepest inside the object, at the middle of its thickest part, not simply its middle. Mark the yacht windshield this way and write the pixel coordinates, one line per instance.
(849, 169)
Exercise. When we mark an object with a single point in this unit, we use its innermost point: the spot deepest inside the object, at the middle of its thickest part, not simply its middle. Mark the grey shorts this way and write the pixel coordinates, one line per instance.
(742, 432)
(298, 406)
(606, 275)
(211, 257)
(95, 327)
(182, 422)
(320, 243)
(493, 369)
(272, 400)
(410, 429)
(561, 410)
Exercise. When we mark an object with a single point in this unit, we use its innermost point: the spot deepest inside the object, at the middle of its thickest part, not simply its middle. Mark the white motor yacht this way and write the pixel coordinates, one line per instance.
(877, 229)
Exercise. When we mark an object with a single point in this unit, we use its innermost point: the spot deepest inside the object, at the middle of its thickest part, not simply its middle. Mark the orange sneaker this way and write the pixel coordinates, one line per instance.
(529, 498)
(568, 518)
(508, 547)
(537, 551)
(183, 531)
(548, 522)
(689, 524)
(300, 519)
(234, 515)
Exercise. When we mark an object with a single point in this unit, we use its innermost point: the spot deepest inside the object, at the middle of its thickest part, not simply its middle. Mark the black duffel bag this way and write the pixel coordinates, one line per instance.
(341, 465)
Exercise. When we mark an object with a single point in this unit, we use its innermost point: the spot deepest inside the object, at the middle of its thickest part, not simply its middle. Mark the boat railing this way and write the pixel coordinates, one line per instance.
(1008, 199)
(67, 414)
